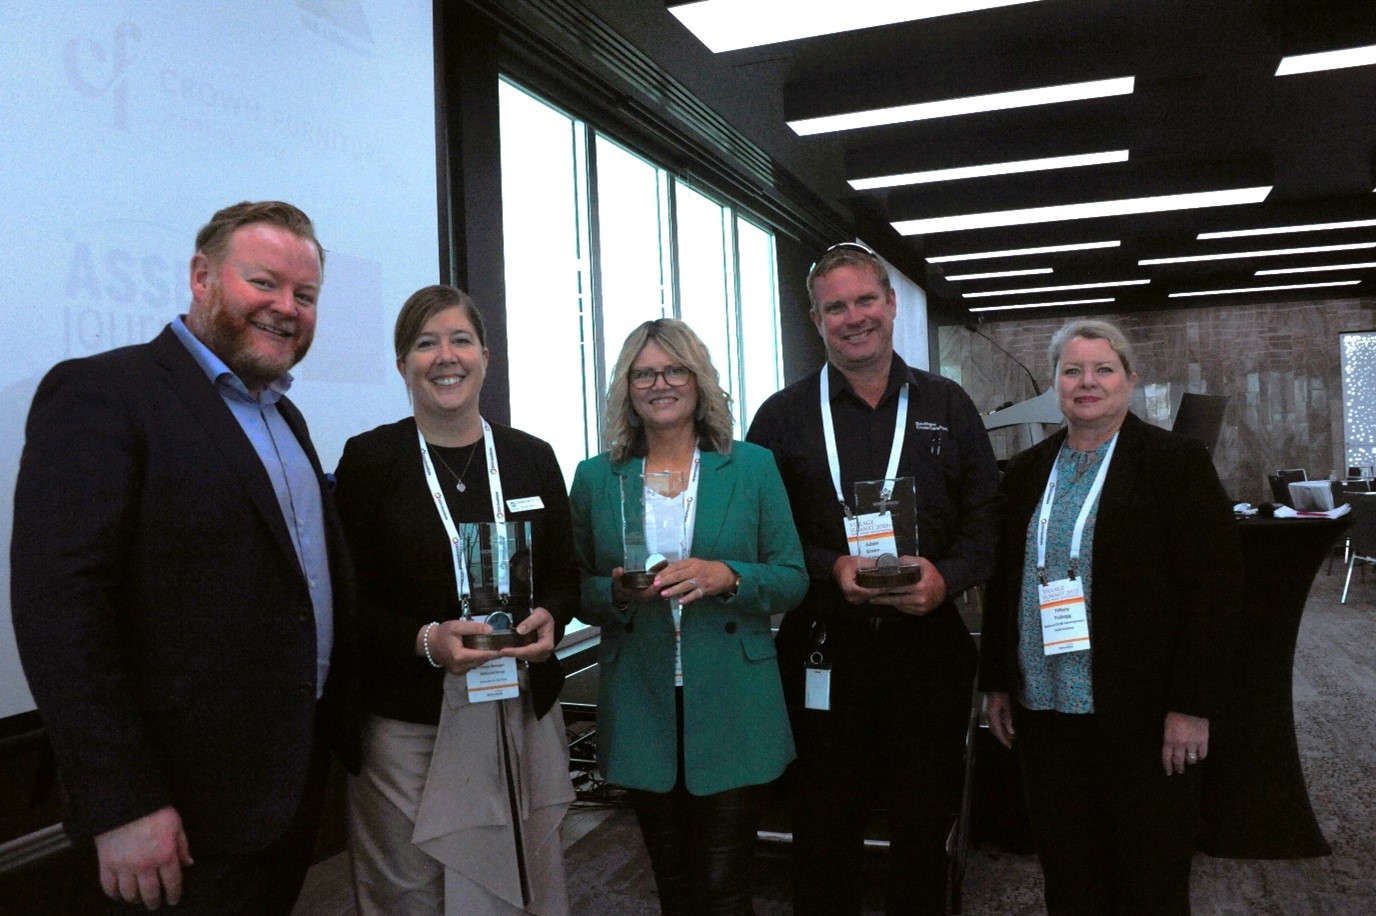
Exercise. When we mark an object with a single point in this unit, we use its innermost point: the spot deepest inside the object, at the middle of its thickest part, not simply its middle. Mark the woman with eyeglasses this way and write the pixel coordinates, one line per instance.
(691, 715)
(465, 775)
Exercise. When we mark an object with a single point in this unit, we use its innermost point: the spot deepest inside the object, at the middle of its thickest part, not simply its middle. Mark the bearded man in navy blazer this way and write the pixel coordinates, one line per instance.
(180, 588)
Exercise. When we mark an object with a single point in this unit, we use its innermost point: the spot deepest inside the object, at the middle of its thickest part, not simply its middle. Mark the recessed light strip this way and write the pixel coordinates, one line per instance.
(1134, 205)
(1038, 305)
(1366, 265)
(1269, 253)
(1052, 289)
(1281, 230)
(1019, 252)
(993, 168)
(1000, 273)
(1264, 289)
(728, 25)
(1327, 60)
(946, 108)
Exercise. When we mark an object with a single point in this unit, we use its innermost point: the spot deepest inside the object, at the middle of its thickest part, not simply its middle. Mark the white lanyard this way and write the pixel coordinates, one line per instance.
(685, 544)
(1049, 498)
(829, 433)
(494, 486)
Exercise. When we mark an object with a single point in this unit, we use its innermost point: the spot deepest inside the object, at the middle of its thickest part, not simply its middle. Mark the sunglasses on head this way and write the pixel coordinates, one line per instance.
(844, 246)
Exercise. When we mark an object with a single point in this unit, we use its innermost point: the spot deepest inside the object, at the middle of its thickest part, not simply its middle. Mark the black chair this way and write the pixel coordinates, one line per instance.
(1280, 484)
(1361, 537)
(1341, 492)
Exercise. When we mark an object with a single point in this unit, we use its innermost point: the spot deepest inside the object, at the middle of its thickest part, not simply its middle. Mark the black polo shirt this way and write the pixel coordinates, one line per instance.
(945, 449)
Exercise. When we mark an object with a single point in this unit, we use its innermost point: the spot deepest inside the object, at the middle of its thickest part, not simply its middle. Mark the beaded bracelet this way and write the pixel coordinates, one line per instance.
(425, 642)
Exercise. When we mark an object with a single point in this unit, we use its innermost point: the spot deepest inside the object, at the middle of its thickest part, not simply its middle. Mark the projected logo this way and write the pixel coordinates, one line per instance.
(124, 280)
(127, 278)
(99, 69)
(339, 20)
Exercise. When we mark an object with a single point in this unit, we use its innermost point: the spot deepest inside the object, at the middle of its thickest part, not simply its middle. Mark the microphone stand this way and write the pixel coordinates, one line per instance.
(1036, 389)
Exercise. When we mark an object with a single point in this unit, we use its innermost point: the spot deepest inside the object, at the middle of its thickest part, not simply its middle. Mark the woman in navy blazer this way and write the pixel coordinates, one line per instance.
(1109, 736)
(694, 749)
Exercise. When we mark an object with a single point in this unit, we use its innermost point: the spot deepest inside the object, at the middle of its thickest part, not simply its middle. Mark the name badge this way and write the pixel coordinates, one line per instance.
(494, 680)
(677, 611)
(817, 688)
(1065, 619)
(525, 504)
(871, 535)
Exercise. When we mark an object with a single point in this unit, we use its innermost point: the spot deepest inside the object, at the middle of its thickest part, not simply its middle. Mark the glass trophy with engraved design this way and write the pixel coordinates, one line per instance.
(497, 556)
(642, 524)
(886, 521)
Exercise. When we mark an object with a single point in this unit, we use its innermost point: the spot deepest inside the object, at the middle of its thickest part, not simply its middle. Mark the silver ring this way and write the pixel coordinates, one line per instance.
(693, 582)
(1191, 756)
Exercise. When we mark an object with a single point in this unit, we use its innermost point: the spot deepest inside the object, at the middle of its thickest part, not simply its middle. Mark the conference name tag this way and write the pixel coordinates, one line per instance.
(1065, 619)
(494, 680)
(525, 504)
(870, 535)
(817, 688)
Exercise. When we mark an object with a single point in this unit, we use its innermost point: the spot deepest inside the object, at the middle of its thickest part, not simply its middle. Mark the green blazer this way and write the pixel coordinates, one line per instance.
(735, 727)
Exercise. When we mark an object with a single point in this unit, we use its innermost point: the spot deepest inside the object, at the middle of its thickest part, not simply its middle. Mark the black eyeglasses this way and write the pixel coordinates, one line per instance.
(844, 246)
(674, 377)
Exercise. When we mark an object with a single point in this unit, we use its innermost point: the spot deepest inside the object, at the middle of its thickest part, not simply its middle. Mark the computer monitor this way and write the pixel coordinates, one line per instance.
(1200, 416)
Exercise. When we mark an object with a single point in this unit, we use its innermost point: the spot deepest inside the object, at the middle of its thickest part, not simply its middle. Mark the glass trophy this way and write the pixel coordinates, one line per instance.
(886, 512)
(497, 556)
(642, 559)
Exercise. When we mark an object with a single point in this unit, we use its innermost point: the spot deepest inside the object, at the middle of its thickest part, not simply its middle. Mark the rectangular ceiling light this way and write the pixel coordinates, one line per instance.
(1367, 265)
(1038, 305)
(1282, 230)
(1270, 253)
(1327, 60)
(945, 108)
(1027, 290)
(1018, 252)
(1001, 273)
(1264, 289)
(729, 25)
(993, 168)
(1159, 204)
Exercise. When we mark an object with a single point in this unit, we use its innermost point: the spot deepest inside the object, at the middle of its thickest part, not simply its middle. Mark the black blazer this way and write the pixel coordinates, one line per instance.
(161, 614)
(406, 573)
(1167, 570)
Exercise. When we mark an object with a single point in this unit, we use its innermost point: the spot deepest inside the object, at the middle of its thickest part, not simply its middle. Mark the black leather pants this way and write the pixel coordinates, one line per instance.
(702, 847)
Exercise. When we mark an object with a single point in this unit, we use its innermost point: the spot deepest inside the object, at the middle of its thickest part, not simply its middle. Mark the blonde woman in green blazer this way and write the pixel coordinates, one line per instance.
(694, 754)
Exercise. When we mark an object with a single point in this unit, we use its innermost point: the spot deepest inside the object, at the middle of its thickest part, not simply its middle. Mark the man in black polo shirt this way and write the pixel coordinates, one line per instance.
(878, 680)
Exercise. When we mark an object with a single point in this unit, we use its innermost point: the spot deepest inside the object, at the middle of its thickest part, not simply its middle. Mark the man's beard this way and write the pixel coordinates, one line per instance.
(229, 337)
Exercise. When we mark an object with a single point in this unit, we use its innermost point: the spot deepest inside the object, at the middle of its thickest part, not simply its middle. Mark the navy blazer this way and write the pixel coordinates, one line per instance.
(1167, 577)
(162, 616)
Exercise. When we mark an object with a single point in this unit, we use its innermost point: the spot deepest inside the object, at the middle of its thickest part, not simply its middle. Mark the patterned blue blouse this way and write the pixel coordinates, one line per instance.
(1060, 682)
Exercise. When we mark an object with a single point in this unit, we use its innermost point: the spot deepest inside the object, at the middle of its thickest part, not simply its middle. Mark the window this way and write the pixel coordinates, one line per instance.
(599, 239)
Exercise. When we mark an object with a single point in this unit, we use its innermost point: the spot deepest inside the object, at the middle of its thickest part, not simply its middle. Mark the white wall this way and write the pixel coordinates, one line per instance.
(127, 124)
(910, 327)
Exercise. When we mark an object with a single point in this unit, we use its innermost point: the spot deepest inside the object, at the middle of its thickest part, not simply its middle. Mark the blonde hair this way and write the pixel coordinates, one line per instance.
(623, 435)
(1090, 329)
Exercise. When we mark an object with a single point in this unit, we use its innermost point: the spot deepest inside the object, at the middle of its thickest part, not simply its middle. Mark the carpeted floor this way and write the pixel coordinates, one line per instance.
(1335, 713)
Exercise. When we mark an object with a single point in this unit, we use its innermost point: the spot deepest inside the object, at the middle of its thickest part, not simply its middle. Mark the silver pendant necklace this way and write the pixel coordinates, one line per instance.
(458, 478)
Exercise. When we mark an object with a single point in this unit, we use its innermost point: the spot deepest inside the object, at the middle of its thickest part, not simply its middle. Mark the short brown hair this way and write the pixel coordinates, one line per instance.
(424, 304)
(847, 254)
(214, 237)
